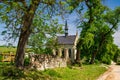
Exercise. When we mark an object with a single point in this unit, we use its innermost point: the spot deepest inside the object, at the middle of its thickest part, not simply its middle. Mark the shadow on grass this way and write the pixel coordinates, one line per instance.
(9, 72)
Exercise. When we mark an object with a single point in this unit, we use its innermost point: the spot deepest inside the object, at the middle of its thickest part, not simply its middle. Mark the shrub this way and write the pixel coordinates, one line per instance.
(106, 61)
(27, 61)
(117, 57)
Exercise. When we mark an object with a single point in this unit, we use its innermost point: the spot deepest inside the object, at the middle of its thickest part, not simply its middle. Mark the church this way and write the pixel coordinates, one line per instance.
(67, 45)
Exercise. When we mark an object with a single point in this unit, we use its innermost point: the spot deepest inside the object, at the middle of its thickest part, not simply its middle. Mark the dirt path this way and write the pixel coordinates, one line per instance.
(113, 73)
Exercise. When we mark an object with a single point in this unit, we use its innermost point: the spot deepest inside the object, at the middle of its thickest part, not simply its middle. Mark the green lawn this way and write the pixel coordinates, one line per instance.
(7, 49)
(87, 72)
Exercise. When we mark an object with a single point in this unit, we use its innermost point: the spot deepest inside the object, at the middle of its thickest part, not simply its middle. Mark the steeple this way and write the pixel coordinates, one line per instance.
(66, 29)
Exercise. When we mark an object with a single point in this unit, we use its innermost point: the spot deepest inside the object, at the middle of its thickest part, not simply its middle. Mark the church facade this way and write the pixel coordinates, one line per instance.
(67, 45)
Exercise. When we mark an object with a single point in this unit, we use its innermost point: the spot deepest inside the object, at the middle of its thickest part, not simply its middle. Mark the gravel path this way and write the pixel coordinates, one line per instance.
(113, 73)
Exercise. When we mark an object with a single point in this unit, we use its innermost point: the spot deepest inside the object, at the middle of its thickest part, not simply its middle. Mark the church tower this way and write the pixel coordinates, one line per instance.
(66, 29)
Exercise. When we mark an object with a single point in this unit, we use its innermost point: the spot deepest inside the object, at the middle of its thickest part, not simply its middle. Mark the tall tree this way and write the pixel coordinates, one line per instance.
(88, 24)
(96, 29)
(111, 20)
(18, 15)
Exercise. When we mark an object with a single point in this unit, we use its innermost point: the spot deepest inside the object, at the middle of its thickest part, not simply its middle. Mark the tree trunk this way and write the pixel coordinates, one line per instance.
(25, 32)
(97, 50)
(93, 57)
(19, 59)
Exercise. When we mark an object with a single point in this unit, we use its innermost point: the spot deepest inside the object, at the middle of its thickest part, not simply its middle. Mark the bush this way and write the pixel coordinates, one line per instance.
(106, 61)
(117, 57)
(27, 61)
(97, 62)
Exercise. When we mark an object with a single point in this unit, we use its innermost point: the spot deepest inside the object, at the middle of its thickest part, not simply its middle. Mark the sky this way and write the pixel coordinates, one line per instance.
(72, 25)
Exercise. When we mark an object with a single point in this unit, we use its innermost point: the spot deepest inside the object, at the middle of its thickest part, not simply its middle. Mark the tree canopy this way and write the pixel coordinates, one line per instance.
(21, 19)
(98, 26)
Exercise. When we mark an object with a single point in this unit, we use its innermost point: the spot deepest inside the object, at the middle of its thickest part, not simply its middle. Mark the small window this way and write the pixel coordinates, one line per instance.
(63, 55)
(69, 53)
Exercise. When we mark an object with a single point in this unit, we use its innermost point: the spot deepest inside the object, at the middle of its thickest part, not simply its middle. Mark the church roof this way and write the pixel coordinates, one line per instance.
(66, 39)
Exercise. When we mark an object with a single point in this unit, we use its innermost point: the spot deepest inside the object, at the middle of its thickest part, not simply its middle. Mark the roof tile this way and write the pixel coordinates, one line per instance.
(66, 40)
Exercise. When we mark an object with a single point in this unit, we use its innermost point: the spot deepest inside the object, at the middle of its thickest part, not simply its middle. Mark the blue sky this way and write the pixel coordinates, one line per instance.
(72, 26)
(112, 3)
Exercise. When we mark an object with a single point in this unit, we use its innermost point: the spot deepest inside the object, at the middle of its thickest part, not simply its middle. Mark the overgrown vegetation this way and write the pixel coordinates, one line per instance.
(87, 72)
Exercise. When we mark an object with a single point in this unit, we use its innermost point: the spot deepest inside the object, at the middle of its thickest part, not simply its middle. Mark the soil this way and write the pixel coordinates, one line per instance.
(113, 73)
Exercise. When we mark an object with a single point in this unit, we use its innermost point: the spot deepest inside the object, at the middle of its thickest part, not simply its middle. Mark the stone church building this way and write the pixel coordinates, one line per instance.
(67, 45)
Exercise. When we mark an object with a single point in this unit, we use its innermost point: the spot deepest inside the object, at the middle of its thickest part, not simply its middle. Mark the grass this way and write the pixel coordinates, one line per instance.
(7, 49)
(4, 49)
(87, 72)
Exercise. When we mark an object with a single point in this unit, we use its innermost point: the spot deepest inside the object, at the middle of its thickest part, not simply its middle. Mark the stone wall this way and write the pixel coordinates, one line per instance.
(42, 62)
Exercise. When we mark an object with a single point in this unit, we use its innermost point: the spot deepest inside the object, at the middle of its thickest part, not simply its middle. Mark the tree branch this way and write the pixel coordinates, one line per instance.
(115, 24)
(90, 13)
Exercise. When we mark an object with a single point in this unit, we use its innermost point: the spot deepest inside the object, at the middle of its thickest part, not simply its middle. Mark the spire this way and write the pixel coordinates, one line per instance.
(66, 29)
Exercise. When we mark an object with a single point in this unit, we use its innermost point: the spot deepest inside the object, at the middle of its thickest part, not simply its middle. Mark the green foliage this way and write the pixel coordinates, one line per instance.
(88, 40)
(21, 18)
(107, 53)
(106, 59)
(113, 17)
(117, 56)
(98, 25)
(27, 61)
(43, 38)
(12, 13)
(48, 51)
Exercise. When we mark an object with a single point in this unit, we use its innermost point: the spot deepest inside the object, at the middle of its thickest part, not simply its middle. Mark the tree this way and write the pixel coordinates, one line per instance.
(110, 25)
(88, 24)
(97, 29)
(19, 15)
